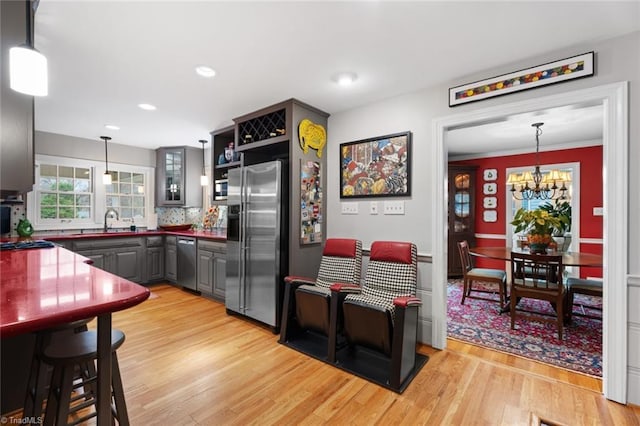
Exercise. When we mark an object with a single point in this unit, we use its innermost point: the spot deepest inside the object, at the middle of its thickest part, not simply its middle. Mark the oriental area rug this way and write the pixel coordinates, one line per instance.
(479, 322)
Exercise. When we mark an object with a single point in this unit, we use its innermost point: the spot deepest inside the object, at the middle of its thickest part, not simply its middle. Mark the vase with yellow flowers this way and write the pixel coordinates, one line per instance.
(538, 225)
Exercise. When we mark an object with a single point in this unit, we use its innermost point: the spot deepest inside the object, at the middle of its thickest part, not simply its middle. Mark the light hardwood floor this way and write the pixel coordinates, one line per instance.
(186, 362)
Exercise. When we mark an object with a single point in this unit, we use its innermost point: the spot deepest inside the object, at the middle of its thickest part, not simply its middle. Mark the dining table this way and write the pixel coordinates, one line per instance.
(569, 258)
(46, 286)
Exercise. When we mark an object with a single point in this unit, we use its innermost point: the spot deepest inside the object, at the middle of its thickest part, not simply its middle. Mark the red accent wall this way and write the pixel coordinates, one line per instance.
(590, 159)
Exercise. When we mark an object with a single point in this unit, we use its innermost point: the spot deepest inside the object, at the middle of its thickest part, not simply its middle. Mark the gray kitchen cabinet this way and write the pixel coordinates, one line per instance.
(97, 259)
(16, 117)
(220, 273)
(123, 257)
(178, 172)
(170, 259)
(155, 259)
(211, 266)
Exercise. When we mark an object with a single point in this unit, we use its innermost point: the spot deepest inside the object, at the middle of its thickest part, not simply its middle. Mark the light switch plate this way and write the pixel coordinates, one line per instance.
(394, 207)
(373, 207)
(349, 208)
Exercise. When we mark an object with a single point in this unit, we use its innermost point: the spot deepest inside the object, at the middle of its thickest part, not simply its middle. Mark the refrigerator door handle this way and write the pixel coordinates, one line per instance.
(243, 243)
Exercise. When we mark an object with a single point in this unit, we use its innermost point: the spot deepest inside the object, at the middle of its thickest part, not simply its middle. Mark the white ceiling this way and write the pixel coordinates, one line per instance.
(563, 127)
(107, 57)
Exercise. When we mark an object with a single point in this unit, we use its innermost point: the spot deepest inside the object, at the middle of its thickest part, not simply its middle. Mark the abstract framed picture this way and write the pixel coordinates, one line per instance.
(376, 167)
(310, 202)
(578, 66)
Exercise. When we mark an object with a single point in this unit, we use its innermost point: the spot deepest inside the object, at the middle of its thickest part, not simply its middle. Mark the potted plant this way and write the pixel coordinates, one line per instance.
(538, 224)
(562, 210)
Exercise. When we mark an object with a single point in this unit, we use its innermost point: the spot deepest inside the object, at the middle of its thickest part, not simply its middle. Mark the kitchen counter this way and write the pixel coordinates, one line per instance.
(46, 287)
(42, 288)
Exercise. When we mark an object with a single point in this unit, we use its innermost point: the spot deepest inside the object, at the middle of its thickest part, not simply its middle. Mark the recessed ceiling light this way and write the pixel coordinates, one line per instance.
(147, 107)
(111, 127)
(345, 78)
(205, 71)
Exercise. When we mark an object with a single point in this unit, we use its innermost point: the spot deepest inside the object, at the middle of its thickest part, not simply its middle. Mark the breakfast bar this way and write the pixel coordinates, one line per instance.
(42, 288)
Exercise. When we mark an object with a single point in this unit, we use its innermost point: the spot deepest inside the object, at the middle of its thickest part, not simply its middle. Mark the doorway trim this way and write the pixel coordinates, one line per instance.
(615, 176)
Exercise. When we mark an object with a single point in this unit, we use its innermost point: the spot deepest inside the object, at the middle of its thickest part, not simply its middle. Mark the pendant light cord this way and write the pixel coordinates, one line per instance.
(106, 157)
(538, 133)
(29, 23)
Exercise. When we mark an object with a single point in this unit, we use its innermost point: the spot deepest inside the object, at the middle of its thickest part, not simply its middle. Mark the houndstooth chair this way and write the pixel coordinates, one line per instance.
(309, 299)
(384, 315)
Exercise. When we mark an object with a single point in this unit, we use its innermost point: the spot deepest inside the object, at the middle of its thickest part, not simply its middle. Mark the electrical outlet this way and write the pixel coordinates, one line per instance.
(373, 207)
(349, 208)
(394, 207)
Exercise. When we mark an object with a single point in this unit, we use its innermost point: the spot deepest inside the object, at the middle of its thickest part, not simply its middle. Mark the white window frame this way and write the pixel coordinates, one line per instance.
(99, 195)
(574, 199)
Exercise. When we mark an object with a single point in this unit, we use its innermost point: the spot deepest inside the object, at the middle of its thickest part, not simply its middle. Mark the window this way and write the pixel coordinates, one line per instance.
(126, 194)
(572, 196)
(67, 196)
(65, 192)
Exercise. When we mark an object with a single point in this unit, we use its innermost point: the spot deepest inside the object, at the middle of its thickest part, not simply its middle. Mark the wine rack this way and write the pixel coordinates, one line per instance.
(262, 128)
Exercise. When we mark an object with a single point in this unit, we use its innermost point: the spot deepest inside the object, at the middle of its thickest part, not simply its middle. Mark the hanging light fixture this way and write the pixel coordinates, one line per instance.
(204, 180)
(536, 185)
(27, 66)
(106, 177)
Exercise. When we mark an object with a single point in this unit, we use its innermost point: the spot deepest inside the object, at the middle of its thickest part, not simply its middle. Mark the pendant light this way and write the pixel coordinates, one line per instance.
(106, 177)
(204, 180)
(27, 66)
(536, 184)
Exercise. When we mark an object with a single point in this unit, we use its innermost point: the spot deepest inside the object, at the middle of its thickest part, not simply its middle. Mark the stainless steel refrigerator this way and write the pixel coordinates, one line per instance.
(257, 235)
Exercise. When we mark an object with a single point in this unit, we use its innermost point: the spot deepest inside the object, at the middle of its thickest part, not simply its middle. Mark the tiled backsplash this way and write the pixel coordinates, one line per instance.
(180, 216)
(171, 216)
(166, 216)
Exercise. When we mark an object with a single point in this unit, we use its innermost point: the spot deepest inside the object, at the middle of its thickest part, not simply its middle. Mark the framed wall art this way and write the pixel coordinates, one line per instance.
(489, 188)
(552, 72)
(376, 167)
(490, 174)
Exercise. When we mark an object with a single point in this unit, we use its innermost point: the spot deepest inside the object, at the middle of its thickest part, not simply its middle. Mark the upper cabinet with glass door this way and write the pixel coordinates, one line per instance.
(178, 177)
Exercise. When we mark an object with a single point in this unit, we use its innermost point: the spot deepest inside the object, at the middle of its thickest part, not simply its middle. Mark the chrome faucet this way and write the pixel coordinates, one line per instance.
(109, 211)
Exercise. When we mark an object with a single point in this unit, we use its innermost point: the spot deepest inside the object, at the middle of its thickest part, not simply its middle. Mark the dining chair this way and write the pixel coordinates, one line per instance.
(581, 286)
(486, 275)
(307, 300)
(544, 283)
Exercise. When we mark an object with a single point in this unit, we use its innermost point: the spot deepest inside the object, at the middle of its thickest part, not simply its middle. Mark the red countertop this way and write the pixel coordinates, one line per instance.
(42, 288)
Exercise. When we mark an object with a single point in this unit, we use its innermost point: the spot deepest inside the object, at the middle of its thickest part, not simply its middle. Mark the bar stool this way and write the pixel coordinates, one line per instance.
(39, 374)
(67, 356)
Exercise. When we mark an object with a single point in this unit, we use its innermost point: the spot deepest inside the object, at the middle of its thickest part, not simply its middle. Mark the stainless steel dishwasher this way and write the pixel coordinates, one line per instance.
(187, 262)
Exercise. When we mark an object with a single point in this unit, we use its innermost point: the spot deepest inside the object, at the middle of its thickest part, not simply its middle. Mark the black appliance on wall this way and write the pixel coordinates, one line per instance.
(5, 220)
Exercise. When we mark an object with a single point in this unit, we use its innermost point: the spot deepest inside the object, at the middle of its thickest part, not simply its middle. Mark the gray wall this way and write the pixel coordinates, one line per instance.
(616, 60)
(304, 260)
(88, 149)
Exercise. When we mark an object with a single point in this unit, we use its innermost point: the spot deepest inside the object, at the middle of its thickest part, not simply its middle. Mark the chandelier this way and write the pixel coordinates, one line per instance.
(538, 185)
